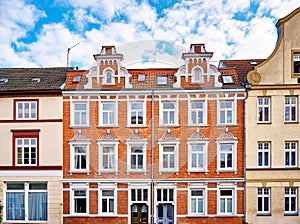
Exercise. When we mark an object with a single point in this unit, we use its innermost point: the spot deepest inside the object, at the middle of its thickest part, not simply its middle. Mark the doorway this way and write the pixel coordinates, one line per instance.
(165, 214)
(139, 214)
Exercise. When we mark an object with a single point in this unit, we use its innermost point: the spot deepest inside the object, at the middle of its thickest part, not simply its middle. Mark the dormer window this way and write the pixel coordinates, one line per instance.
(108, 78)
(227, 79)
(197, 75)
(162, 80)
(296, 63)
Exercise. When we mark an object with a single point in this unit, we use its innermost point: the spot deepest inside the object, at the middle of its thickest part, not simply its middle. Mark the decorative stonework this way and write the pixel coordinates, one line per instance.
(226, 135)
(168, 137)
(108, 136)
(79, 136)
(197, 136)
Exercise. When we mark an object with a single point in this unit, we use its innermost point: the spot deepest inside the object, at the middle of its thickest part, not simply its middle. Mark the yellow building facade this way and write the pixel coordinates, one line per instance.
(272, 131)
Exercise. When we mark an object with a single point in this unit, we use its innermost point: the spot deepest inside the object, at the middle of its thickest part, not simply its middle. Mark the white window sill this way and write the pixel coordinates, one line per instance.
(87, 172)
(79, 126)
(136, 126)
(136, 171)
(197, 125)
(99, 172)
(226, 170)
(169, 126)
(168, 171)
(227, 125)
(107, 126)
(197, 171)
(22, 221)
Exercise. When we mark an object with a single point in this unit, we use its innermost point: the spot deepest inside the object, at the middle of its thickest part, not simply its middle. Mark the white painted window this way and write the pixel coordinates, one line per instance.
(108, 156)
(290, 200)
(290, 109)
(226, 201)
(263, 110)
(26, 110)
(226, 112)
(168, 157)
(169, 113)
(107, 200)
(263, 150)
(108, 77)
(108, 115)
(165, 195)
(263, 202)
(197, 75)
(197, 113)
(26, 202)
(290, 154)
(79, 114)
(79, 157)
(197, 157)
(137, 158)
(137, 114)
(26, 149)
(227, 156)
(197, 201)
(139, 195)
(79, 200)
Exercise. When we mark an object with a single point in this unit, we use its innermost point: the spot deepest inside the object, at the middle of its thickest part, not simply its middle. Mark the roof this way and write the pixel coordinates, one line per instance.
(72, 83)
(242, 66)
(32, 79)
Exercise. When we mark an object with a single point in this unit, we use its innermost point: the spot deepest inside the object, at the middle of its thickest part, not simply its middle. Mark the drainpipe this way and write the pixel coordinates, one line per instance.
(152, 156)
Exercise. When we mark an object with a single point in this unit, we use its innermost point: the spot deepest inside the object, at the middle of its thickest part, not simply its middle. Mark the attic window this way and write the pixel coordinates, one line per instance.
(162, 80)
(227, 79)
(76, 78)
(296, 63)
(35, 80)
(141, 77)
(3, 80)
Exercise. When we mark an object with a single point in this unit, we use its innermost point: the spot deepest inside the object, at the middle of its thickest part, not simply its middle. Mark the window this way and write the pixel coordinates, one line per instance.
(107, 200)
(198, 113)
(108, 77)
(226, 203)
(79, 156)
(108, 114)
(76, 78)
(137, 113)
(80, 200)
(227, 79)
(162, 80)
(137, 158)
(26, 201)
(169, 113)
(79, 114)
(226, 112)
(290, 154)
(197, 201)
(197, 158)
(226, 156)
(139, 195)
(165, 195)
(108, 156)
(290, 200)
(263, 201)
(197, 75)
(290, 108)
(26, 110)
(168, 155)
(263, 110)
(141, 77)
(263, 156)
(296, 63)
(26, 151)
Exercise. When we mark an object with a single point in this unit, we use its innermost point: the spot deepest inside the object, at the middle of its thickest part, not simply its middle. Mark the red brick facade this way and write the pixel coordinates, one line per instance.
(172, 163)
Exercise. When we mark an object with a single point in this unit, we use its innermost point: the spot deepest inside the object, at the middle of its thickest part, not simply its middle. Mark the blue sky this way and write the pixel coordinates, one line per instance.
(37, 33)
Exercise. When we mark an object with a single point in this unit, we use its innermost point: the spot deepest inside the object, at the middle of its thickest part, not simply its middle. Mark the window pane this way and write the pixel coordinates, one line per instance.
(15, 206)
(37, 206)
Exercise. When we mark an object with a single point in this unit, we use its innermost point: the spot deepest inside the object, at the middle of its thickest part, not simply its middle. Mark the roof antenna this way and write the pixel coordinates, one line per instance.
(68, 52)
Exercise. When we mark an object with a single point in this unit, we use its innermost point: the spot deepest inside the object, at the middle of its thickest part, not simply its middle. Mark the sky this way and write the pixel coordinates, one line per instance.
(37, 33)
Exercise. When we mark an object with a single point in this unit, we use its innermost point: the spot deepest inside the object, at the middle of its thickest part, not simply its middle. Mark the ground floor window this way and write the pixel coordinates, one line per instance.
(26, 201)
(290, 200)
(263, 201)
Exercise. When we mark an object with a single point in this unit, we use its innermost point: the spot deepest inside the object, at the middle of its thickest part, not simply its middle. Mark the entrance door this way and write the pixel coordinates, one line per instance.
(165, 214)
(139, 214)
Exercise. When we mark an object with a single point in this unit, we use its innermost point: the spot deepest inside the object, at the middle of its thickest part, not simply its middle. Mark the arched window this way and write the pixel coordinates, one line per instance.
(197, 75)
(108, 78)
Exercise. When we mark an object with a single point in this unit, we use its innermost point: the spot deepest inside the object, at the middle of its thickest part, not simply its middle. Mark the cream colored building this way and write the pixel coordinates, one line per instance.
(31, 124)
(272, 131)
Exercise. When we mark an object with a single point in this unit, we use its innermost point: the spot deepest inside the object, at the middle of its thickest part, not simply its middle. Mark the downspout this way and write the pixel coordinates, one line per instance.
(152, 156)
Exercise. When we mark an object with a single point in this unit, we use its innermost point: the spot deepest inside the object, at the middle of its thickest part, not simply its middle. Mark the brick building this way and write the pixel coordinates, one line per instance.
(153, 145)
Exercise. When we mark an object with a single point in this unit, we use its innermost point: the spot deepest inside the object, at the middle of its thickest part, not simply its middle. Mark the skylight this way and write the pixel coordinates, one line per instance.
(3, 80)
(35, 80)
(227, 79)
(162, 80)
(252, 62)
(141, 77)
(76, 78)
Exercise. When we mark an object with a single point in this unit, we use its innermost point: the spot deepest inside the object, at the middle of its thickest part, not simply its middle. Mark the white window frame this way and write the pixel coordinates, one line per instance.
(191, 144)
(101, 145)
(168, 111)
(113, 123)
(194, 78)
(137, 111)
(296, 59)
(263, 104)
(197, 111)
(226, 112)
(233, 197)
(203, 197)
(261, 193)
(85, 144)
(105, 78)
(72, 119)
(174, 144)
(291, 109)
(26, 192)
(289, 194)
(30, 112)
(107, 187)
(22, 147)
(263, 148)
(78, 187)
(233, 145)
(142, 143)
(142, 188)
(290, 147)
